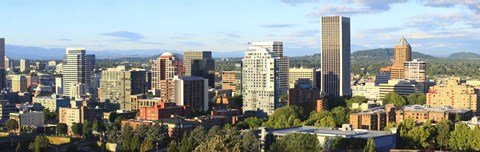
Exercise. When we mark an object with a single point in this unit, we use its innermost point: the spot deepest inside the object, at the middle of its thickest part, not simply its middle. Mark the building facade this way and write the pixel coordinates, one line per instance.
(454, 94)
(260, 79)
(163, 71)
(192, 92)
(77, 69)
(403, 53)
(422, 114)
(415, 70)
(374, 118)
(369, 90)
(24, 65)
(335, 56)
(52, 103)
(229, 80)
(401, 87)
(29, 119)
(297, 73)
(161, 110)
(19, 83)
(201, 64)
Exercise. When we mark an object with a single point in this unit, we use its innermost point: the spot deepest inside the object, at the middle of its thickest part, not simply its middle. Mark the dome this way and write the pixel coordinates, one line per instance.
(166, 54)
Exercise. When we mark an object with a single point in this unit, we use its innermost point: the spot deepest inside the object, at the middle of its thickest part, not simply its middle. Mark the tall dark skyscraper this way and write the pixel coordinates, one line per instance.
(2, 64)
(335, 55)
(201, 64)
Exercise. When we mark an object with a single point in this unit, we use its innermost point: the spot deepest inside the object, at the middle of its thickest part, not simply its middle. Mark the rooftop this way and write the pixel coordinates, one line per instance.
(321, 131)
(403, 42)
(435, 109)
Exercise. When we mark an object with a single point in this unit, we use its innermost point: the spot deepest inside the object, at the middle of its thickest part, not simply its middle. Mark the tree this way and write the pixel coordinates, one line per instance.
(395, 99)
(327, 121)
(417, 98)
(20, 148)
(356, 99)
(11, 124)
(460, 138)
(96, 126)
(141, 130)
(76, 129)
(62, 128)
(341, 115)
(39, 144)
(370, 147)
(253, 122)
(87, 128)
(389, 126)
(443, 133)
(250, 142)
(197, 136)
(172, 147)
(146, 145)
(49, 115)
(135, 143)
(296, 142)
(158, 133)
(126, 137)
(285, 117)
(185, 145)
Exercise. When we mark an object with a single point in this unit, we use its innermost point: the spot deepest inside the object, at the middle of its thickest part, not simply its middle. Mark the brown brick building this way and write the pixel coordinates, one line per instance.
(421, 114)
(373, 119)
(161, 110)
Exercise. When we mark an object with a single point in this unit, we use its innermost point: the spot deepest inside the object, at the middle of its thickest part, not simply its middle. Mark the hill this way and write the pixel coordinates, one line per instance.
(385, 54)
(464, 55)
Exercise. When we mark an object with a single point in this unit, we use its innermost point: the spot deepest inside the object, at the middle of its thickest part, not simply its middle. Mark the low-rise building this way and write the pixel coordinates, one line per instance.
(422, 114)
(79, 115)
(374, 118)
(161, 110)
(368, 90)
(29, 118)
(472, 123)
(5, 109)
(53, 102)
(401, 87)
(384, 140)
(303, 95)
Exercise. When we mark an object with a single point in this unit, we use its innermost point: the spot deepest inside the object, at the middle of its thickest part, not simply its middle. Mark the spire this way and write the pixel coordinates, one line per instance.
(403, 42)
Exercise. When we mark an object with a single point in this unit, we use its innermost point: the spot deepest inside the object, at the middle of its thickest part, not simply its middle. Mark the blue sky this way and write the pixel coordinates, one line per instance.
(437, 27)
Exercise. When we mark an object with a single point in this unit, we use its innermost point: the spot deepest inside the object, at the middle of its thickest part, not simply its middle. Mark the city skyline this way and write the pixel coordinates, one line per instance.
(436, 27)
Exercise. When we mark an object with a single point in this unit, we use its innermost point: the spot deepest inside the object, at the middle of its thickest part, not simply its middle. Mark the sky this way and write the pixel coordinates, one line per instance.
(436, 27)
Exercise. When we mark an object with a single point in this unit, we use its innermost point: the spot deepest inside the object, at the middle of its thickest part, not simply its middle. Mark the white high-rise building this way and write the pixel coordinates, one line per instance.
(77, 69)
(24, 65)
(335, 79)
(262, 73)
(9, 63)
(276, 47)
(58, 85)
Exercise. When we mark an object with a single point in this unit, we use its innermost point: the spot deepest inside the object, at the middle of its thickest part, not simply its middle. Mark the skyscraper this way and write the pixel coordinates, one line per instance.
(403, 53)
(163, 72)
(261, 77)
(24, 65)
(77, 69)
(201, 64)
(276, 47)
(3, 70)
(335, 56)
(191, 91)
(117, 84)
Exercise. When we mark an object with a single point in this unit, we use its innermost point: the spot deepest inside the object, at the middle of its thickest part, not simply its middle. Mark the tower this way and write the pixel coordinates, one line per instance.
(403, 53)
(335, 54)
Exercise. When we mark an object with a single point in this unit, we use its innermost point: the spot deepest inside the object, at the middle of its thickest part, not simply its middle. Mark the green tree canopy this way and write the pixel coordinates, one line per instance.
(370, 147)
(285, 117)
(76, 129)
(356, 99)
(253, 122)
(11, 124)
(62, 128)
(394, 98)
(416, 98)
(296, 142)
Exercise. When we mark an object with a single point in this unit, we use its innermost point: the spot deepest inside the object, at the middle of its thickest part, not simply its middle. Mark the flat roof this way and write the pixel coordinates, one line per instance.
(322, 131)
